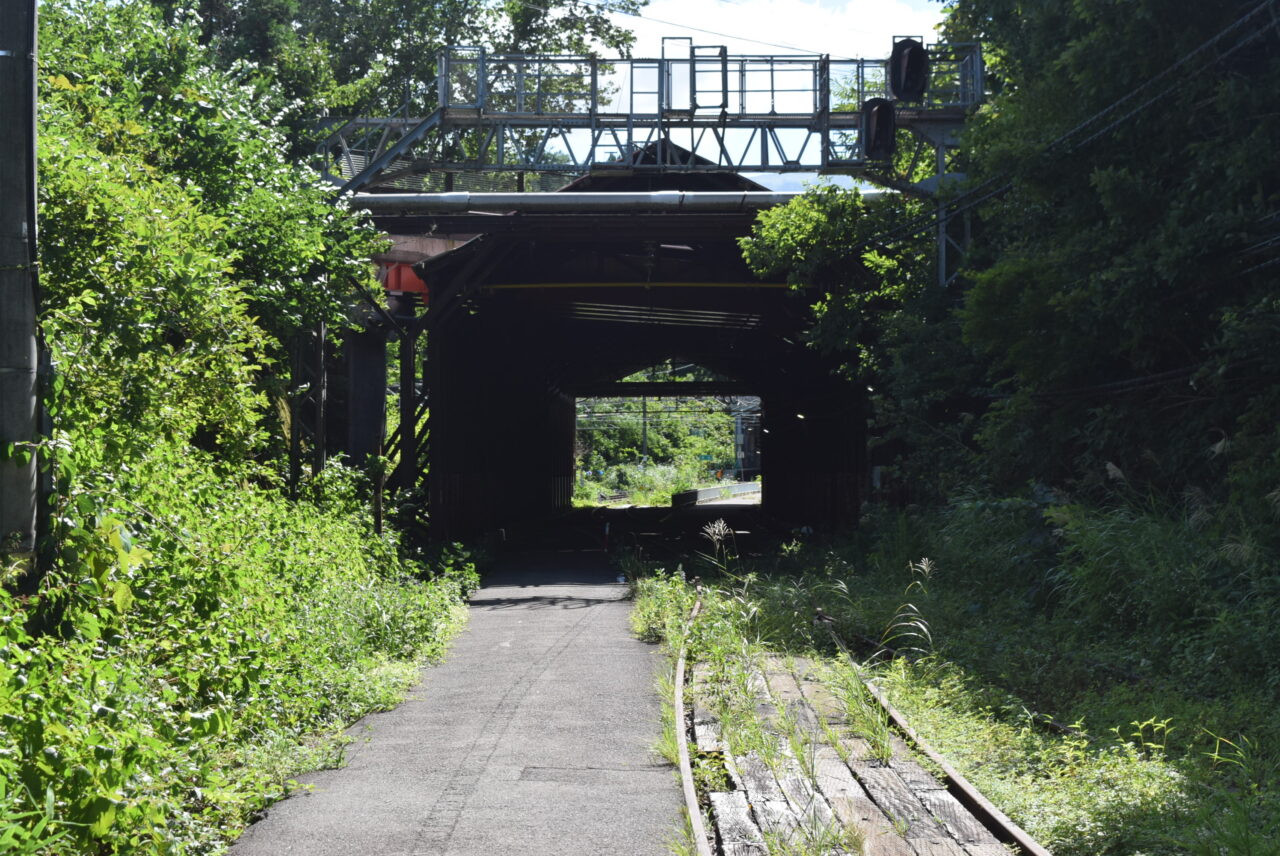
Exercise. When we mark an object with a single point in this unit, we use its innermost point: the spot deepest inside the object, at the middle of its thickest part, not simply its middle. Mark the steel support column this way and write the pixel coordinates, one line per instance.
(320, 398)
(19, 401)
(366, 416)
(952, 232)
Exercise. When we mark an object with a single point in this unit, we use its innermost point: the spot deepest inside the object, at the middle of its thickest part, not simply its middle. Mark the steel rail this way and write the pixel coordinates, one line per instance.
(692, 808)
(996, 821)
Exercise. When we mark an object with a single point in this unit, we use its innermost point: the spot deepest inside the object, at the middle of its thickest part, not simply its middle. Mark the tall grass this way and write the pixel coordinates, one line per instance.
(1108, 675)
(206, 642)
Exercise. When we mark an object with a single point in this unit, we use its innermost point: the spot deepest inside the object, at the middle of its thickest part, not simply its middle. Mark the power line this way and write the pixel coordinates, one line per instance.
(607, 8)
(1237, 24)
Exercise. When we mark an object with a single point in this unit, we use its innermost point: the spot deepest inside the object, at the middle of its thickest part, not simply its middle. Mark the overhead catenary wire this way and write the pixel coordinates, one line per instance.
(608, 8)
(1239, 23)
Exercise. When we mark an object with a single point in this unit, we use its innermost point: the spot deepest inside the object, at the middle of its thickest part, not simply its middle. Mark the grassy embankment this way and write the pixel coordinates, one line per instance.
(1149, 634)
(211, 642)
(652, 484)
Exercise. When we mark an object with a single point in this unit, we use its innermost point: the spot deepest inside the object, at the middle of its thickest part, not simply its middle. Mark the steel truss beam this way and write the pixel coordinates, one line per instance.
(699, 112)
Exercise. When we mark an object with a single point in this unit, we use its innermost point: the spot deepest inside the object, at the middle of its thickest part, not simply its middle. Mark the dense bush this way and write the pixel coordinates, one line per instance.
(1150, 594)
(1132, 619)
(198, 637)
(195, 638)
(651, 484)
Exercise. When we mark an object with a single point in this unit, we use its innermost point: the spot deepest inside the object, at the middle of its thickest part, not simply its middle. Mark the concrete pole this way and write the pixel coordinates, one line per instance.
(18, 360)
(644, 431)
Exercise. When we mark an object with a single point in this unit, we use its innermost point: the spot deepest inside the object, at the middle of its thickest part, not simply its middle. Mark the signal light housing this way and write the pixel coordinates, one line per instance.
(878, 133)
(908, 70)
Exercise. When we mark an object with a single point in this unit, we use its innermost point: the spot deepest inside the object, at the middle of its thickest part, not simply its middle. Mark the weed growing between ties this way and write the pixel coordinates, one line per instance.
(667, 622)
(204, 640)
(733, 679)
(1074, 663)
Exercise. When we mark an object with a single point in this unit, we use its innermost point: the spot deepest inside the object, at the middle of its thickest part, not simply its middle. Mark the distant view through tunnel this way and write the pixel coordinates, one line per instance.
(637, 448)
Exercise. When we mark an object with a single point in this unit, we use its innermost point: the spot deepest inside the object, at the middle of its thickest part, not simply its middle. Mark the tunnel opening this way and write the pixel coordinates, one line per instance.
(673, 434)
(508, 375)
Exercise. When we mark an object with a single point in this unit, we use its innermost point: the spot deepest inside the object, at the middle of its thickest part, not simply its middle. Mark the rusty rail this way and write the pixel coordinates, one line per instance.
(1000, 825)
(692, 808)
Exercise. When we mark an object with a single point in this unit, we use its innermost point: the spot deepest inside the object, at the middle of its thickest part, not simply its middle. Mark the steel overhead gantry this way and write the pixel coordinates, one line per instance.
(697, 108)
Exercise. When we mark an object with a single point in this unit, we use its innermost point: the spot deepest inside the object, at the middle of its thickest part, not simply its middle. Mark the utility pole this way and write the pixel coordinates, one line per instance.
(644, 430)
(19, 400)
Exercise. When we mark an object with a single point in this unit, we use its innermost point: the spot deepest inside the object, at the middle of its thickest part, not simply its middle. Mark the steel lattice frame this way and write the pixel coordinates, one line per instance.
(704, 111)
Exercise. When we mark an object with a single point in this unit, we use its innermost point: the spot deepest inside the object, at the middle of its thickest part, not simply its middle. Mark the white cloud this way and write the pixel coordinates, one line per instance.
(853, 28)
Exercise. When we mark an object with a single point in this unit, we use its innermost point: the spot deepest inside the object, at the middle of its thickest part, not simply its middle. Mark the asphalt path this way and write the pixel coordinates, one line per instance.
(534, 737)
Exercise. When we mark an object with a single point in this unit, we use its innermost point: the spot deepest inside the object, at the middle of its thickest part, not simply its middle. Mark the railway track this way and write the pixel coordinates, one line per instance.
(812, 784)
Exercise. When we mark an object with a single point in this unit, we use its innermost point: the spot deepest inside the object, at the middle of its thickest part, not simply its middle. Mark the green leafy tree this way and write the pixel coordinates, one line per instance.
(180, 252)
(330, 57)
(1113, 320)
(1122, 286)
(876, 304)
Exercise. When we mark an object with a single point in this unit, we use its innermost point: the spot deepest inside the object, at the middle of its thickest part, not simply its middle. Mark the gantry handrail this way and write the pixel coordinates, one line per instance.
(704, 110)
